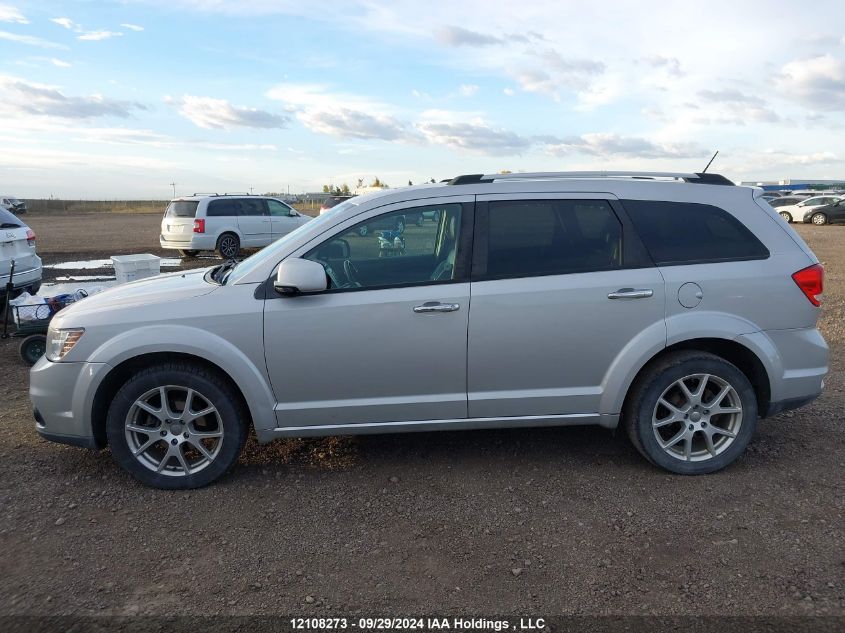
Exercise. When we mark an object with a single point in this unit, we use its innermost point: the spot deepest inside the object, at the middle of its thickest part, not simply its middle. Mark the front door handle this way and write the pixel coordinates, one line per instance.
(436, 306)
(631, 293)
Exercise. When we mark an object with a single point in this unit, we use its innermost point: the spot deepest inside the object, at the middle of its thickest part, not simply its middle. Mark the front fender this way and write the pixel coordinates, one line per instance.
(248, 374)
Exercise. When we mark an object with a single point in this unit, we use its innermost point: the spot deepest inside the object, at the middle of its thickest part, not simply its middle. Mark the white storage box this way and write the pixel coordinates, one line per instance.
(134, 267)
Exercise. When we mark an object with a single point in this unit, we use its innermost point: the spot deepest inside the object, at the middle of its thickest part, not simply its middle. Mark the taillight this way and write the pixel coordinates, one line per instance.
(811, 282)
(30, 237)
(199, 225)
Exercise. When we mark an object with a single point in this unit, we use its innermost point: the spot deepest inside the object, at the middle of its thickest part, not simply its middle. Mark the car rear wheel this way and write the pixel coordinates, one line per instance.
(818, 219)
(691, 413)
(228, 246)
(187, 253)
(786, 216)
(176, 426)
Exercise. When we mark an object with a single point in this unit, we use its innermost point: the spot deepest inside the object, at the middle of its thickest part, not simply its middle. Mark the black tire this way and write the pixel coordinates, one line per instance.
(786, 215)
(818, 219)
(32, 348)
(642, 402)
(228, 246)
(34, 288)
(187, 253)
(213, 389)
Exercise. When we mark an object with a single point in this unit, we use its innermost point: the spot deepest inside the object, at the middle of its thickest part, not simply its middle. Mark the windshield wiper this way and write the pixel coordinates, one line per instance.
(220, 273)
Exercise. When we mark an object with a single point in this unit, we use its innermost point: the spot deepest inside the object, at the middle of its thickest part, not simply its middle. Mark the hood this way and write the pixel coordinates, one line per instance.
(165, 288)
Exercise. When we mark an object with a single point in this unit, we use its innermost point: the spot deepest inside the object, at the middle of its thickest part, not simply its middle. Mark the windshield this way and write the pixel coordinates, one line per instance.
(181, 209)
(272, 251)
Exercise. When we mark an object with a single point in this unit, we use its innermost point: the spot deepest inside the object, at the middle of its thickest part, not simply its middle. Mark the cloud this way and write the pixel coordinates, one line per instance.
(508, 92)
(467, 90)
(671, 65)
(209, 113)
(133, 27)
(734, 107)
(96, 36)
(475, 135)
(21, 97)
(11, 14)
(613, 145)
(59, 63)
(29, 40)
(459, 36)
(818, 82)
(66, 22)
(554, 73)
(356, 124)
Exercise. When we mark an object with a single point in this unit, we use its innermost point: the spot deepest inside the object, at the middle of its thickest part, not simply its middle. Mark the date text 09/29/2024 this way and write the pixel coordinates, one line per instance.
(417, 624)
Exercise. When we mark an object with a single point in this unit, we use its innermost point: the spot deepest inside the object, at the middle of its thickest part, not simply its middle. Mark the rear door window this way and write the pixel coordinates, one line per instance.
(181, 209)
(692, 233)
(222, 208)
(551, 237)
(250, 208)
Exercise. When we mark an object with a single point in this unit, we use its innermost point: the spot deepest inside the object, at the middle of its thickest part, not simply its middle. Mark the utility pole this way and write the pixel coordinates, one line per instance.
(173, 184)
(250, 191)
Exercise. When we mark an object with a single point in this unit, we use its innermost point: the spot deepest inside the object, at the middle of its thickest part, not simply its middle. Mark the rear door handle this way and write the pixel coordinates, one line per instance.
(631, 293)
(436, 306)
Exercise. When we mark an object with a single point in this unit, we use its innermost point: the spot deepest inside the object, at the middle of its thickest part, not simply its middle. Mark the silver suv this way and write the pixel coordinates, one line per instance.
(225, 224)
(677, 305)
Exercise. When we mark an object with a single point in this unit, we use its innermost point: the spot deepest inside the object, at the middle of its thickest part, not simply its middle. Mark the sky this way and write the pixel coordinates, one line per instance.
(119, 99)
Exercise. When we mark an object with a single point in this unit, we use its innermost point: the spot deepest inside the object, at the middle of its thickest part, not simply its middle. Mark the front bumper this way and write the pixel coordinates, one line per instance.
(62, 395)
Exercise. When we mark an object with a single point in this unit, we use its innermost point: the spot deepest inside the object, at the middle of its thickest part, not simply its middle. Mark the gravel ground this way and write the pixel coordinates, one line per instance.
(545, 521)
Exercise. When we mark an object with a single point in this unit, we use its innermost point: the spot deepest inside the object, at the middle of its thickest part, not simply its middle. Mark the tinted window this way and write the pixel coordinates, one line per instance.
(389, 250)
(250, 207)
(547, 237)
(181, 209)
(220, 208)
(782, 202)
(684, 232)
(7, 220)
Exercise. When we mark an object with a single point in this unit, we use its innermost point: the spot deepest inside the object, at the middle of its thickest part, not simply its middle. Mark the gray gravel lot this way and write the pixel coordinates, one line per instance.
(545, 521)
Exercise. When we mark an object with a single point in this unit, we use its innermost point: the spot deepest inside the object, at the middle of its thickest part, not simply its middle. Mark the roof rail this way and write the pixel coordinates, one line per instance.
(204, 194)
(700, 178)
(237, 193)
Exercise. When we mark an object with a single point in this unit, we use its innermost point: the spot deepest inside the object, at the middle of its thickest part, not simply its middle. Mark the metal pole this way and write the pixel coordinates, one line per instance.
(9, 287)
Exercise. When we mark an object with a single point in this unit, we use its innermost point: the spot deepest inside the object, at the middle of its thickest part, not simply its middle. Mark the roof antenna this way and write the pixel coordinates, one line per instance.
(711, 162)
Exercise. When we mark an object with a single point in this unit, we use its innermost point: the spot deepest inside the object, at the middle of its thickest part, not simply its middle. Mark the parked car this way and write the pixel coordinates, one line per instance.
(333, 201)
(17, 243)
(785, 201)
(792, 212)
(10, 203)
(826, 214)
(225, 224)
(678, 310)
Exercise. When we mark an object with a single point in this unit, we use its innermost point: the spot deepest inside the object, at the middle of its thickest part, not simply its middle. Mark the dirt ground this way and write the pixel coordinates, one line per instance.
(545, 521)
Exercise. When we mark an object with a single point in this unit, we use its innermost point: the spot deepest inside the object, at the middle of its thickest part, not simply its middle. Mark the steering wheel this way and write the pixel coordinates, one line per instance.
(352, 274)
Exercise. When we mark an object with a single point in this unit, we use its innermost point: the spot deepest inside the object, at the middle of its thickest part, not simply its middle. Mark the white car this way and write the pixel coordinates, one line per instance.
(796, 212)
(17, 243)
(10, 203)
(225, 224)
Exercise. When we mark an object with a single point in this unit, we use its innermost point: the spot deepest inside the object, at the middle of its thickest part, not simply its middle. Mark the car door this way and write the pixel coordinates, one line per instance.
(560, 286)
(283, 219)
(254, 222)
(386, 343)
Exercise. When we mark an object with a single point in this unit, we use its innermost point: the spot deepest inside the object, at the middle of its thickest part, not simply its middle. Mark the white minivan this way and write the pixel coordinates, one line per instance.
(225, 224)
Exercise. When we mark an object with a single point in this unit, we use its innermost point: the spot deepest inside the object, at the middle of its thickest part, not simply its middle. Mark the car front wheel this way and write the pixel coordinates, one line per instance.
(176, 426)
(691, 413)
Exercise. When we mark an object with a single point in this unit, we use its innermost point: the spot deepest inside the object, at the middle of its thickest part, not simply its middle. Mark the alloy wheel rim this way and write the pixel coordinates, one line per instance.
(818, 219)
(174, 430)
(228, 246)
(697, 417)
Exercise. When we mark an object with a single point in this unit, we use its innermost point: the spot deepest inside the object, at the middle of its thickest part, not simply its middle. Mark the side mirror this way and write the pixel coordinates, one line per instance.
(300, 276)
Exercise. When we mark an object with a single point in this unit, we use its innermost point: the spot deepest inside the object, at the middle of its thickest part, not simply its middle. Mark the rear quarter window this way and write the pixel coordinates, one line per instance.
(692, 233)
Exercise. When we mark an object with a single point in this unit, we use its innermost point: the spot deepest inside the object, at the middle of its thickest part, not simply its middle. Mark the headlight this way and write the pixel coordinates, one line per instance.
(60, 342)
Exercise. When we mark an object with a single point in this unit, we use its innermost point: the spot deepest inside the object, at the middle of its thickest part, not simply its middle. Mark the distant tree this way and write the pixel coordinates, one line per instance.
(327, 188)
(344, 190)
(376, 183)
(432, 181)
(360, 183)
(505, 171)
(410, 184)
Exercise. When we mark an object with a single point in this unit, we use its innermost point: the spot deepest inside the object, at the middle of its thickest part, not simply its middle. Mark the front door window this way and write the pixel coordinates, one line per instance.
(408, 247)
